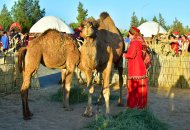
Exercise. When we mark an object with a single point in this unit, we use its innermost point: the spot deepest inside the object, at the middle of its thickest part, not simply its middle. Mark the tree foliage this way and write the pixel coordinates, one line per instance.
(142, 21)
(82, 13)
(123, 32)
(178, 26)
(5, 18)
(134, 20)
(27, 12)
(186, 29)
(162, 21)
(73, 25)
(155, 19)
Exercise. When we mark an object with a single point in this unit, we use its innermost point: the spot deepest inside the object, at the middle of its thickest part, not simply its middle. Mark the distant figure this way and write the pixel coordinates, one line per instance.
(174, 43)
(13, 33)
(26, 39)
(188, 38)
(5, 41)
(76, 35)
(127, 42)
(184, 43)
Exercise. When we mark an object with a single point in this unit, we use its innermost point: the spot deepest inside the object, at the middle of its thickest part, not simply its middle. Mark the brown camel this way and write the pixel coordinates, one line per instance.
(54, 50)
(102, 47)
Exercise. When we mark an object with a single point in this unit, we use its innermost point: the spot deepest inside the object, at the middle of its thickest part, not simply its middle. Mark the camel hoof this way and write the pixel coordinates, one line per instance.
(31, 114)
(120, 105)
(88, 115)
(60, 81)
(99, 103)
(27, 118)
(68, 109)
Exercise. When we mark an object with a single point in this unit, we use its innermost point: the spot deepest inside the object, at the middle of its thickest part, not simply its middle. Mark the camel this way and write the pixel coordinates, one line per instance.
(54, 50)
(102, 47)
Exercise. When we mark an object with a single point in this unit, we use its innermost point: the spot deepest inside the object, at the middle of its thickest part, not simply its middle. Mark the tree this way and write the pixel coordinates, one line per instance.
(162, 21)
(178, 26)
(27, 12)
(73, 25)
(82, 13)
(5, 18)
(186, 29)
(134, 20)
(155, 19)
(123, 32)
(142, 21)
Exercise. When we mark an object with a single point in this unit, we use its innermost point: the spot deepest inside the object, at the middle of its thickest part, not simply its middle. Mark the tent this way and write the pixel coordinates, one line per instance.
(50, 22)
(15, 25)
(151, 28)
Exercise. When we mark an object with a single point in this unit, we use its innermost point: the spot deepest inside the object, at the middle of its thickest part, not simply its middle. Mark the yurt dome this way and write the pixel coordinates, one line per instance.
(50, 22)
(151, 28)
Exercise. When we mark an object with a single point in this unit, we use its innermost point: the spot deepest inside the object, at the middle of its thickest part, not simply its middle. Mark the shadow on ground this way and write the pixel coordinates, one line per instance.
(50, 80)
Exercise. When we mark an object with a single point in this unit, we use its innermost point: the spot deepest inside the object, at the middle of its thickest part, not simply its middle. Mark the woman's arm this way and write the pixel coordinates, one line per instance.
(132, 51)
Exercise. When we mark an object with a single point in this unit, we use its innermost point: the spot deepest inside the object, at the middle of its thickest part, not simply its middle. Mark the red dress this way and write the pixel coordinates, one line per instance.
(137, 80)
(175, 47)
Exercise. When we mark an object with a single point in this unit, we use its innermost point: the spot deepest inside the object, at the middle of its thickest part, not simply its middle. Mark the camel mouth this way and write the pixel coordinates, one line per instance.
(90, 34)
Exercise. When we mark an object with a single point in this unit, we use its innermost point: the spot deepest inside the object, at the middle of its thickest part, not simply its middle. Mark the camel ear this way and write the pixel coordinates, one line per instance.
(97, 23)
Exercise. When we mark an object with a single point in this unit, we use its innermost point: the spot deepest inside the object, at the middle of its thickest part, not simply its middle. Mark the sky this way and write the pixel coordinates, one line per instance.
(120, 10)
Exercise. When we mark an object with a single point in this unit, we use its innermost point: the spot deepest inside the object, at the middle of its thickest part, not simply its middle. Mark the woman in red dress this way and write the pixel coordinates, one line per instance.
(137, 79)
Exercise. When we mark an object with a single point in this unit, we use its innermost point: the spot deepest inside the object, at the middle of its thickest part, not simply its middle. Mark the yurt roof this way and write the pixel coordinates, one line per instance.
(50, 22)
(151, 28)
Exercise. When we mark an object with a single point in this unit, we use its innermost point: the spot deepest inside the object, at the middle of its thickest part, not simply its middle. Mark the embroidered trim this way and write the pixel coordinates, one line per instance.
(137, 77)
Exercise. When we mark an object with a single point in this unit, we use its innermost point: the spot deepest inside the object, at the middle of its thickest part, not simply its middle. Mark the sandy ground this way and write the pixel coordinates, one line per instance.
(169, 105)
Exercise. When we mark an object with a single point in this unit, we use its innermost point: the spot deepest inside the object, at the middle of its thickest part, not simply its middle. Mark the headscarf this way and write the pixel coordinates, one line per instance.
(137, 36)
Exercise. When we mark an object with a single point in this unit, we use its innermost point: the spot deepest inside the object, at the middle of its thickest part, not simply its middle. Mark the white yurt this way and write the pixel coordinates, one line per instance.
(50, 22)
(151, 28)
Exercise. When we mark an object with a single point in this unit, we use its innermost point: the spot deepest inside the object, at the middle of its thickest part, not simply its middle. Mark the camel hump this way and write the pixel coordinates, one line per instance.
(104, 15)
(48, 31)
(107, 22)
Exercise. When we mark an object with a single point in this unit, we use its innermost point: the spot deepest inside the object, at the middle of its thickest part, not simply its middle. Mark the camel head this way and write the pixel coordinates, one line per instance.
(88, 30)
(90, 27)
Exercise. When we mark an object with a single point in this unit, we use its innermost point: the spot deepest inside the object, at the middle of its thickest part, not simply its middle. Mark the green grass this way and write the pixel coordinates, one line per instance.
(77, 95)
(130, 119)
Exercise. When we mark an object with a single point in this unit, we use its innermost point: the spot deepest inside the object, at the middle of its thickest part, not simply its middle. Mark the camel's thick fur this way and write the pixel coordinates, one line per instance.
(102, 47)
(54, 50)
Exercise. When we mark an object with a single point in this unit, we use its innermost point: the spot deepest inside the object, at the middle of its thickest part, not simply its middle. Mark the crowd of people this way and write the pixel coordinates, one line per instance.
(13, 39)
(180, 44)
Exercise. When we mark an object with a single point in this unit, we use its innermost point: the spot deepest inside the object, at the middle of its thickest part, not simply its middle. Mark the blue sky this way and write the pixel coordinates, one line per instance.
(120, 10)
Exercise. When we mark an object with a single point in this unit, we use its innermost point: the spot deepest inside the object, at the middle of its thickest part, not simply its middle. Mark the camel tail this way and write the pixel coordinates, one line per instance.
(21, 56)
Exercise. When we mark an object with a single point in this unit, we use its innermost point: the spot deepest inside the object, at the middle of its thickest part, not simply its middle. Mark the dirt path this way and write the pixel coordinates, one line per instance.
(169, 105)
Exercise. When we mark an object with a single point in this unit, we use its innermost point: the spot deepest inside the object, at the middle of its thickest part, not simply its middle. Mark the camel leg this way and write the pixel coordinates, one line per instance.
(100, 97)
(79, 76)
(24, 95)
(106, 89)
(106, 81)
(120, 71)
(89, 112)
(31, 65)
(63, 76)
(67, 88)
(99, 101)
